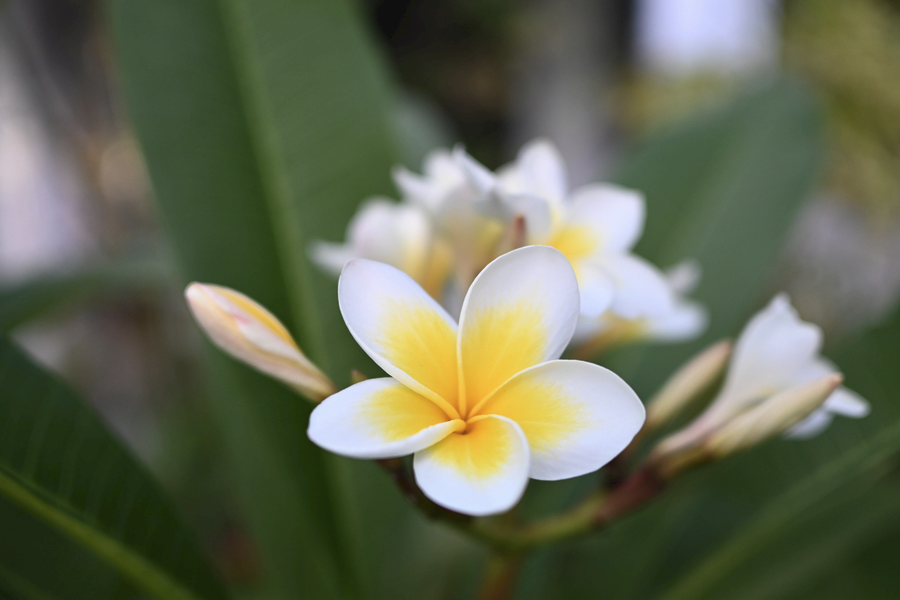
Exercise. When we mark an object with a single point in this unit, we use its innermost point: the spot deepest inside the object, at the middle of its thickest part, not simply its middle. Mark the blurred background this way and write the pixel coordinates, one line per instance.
(87, 282)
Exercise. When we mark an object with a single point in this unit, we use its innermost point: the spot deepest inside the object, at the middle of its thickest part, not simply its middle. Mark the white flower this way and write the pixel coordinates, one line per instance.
(483, 405)
(450, 199)
(249, 332)
(400, 235)
(778, 351)
(775, 361)
(684, 319)
(595, 227)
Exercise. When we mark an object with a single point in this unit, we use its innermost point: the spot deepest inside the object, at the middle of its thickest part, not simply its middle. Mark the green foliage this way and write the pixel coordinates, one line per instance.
(723, 188)
(49, 293)
(264, 124)
(80, 517)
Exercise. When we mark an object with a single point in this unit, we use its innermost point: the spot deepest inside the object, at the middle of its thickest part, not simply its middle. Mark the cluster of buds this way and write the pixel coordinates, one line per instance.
(776, 384)
(458, 216)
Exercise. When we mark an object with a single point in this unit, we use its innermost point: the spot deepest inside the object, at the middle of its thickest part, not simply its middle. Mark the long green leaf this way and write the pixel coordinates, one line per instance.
(264, 124)
(60, 466)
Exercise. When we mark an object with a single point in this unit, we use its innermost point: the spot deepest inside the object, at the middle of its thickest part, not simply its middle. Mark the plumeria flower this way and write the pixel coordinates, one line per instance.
(250, 333)
(775, 362)
(400, 235)
(684, 320)
(778, 351)
(594, 226)
(482, 405)
(450, 199)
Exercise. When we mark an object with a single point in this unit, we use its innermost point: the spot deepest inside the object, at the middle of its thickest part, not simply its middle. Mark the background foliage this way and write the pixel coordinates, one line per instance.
(263, 124)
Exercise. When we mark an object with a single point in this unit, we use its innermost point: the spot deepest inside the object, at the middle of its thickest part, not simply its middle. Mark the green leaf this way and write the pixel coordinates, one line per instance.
(47, 293)
(723, 188)
(61, 470)
(264, 123)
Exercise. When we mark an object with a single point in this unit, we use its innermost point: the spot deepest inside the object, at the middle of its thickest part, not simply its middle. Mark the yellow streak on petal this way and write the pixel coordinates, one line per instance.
(500, 341)
(416, 338)
(482, 452)
(397, 412)
(543, 409)
(576, 242)
(255, 311)
(434, 276)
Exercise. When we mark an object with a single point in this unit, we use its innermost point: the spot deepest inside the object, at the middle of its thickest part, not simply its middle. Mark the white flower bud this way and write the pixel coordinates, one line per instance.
(687, 384)
(250, 333)
(772, 417)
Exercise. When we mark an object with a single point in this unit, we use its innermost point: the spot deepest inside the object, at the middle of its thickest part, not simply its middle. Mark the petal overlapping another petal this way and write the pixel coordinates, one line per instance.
(577, 416)
(520, 311)
(378, 418)
(641, 290)
(615, 215)
(402, 329)
(772, 351)
(481, 472)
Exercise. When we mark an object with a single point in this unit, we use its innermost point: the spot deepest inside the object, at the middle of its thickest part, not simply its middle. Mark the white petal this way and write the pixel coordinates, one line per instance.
(685, 321)
(537, 213)
(477, 174)
(597, 291)
(641, 288)
(520, 311)
(401, 328)
(684, 277)
(330, 256)
(588, 329)
(615, 213)
(811, 426)
(847, 403)
(772, 350)
(541, 169)
(378, 418)
(396, 234)
(576, 415)
(480, 473)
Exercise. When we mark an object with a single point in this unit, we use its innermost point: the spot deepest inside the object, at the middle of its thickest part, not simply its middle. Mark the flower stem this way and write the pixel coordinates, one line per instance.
(500, 576)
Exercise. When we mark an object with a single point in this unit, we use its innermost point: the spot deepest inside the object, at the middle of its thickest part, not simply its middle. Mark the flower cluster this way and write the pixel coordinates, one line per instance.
(458, 216)
(483, 402)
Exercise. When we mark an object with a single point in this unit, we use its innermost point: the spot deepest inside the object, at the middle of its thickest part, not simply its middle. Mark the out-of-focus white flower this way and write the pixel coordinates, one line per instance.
(450, 199)
(594, 226)
(776, 381)
(483, 405)
(778, 351)
(401, 235)
(247, 331)
(685, 319)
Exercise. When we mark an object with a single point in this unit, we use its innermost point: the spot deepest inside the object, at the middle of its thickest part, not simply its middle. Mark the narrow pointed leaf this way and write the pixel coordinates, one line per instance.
(63, 470)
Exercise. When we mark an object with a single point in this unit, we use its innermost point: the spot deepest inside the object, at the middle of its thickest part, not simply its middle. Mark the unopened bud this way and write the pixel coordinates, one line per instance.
(250, 333)
(687, 384)
(772, 417)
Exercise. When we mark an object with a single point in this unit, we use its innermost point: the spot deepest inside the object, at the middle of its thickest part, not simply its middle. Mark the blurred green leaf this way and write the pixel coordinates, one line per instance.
(263, 125)
(723, 188)
(47, 293)
(67, 483)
